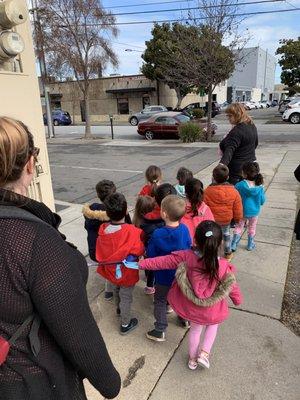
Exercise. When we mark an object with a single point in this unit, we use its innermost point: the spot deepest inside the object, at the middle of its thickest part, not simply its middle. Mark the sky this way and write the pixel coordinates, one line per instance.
(264, 30)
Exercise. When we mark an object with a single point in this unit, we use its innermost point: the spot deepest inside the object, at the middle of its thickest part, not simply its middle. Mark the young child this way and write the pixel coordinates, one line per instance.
(95, 215)
(118, 240)
(253, 196)
(153, 177)
(225, 203)
(173, 236)
(196, 293)
(183, 175)
(196, 209)
(143, 206)
(152, 221)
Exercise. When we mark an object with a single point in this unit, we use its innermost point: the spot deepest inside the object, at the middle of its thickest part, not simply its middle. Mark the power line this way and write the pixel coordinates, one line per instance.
(187, 19)
(146, 4)
(194, 8)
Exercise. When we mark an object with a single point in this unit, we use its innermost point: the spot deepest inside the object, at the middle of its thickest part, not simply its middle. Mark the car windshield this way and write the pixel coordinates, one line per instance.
(183, 118)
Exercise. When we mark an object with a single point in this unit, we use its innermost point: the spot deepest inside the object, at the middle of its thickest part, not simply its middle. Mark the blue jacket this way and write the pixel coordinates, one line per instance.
(253, 197)
(164, 241)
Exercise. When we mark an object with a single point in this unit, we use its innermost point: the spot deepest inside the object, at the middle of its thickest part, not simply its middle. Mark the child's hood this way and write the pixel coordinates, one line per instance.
(249, 191)
(118, 245)
(189, 212)
(221, 193)
(200, 281)
(93, 212)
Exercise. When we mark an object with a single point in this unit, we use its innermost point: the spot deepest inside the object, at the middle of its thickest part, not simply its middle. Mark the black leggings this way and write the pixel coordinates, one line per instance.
(150, 278)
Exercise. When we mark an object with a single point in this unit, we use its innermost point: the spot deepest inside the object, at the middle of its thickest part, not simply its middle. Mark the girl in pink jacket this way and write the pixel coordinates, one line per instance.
(199, 292)
(196, 210)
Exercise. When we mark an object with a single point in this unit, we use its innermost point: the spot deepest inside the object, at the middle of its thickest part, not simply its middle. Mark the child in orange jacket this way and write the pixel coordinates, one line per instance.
(225, 203)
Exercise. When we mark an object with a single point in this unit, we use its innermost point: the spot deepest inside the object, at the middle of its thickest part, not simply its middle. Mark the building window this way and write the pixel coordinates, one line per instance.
(123, 106)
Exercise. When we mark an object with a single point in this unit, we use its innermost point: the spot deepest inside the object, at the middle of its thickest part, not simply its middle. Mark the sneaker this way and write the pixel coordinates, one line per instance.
(124, 330)
(169, 309)
(203, 361)
(149, 290)
(108, 296)
(183, 322)
(192, 364)
(157, 336)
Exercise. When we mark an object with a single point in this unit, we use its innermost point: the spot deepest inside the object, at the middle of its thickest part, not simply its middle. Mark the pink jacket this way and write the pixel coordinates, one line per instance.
(204, 214)
(200, 284)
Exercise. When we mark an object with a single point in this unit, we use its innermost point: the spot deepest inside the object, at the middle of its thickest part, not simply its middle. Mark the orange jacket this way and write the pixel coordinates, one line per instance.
(225, 203)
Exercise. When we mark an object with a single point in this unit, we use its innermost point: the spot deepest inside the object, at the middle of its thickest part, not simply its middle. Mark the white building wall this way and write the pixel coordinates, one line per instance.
(256, 71)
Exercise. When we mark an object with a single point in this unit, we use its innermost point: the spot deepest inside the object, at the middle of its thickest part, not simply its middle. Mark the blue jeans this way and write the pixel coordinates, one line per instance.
(226, 238)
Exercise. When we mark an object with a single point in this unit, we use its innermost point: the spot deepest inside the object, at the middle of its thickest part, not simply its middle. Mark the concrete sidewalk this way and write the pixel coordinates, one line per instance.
(255, 356)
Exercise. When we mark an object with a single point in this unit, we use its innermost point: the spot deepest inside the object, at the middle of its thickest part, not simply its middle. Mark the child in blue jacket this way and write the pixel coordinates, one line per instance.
(253, 197)
(171, 237)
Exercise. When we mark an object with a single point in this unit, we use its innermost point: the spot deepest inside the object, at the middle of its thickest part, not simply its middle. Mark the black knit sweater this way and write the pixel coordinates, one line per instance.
(40, 272)
(238, 147)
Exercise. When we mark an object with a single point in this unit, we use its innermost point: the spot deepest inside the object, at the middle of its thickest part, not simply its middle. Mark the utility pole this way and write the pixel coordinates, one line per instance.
(42, 64)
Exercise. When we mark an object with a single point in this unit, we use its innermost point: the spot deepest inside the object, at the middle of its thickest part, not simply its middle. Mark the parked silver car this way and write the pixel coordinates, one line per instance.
(146, 113)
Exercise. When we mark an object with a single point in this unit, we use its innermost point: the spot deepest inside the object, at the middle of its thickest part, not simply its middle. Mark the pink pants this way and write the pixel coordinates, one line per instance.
(209, 335)
(252, 222)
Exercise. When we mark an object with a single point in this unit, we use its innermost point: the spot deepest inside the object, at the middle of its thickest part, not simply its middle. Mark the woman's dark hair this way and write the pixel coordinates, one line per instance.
(105, 188)
(194, 193)
(116, 206)
(183, 175)
(208, 238)
(251, 172)
(163, 191)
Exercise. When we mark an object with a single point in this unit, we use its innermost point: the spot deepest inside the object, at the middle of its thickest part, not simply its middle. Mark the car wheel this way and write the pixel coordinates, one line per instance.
(149, 135)
(295, 118)
(134, 121)
(55, 122)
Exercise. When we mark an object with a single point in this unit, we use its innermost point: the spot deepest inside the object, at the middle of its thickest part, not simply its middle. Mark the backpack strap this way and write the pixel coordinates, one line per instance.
(20, 330)
(12, 212)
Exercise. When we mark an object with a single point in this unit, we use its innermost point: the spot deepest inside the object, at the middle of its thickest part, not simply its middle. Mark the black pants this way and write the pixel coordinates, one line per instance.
(160, 307)
(150, 278)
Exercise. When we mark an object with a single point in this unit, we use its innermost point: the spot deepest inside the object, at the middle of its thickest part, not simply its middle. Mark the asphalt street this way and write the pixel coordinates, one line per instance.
(77, 166)
(277, 131)
(76, 169)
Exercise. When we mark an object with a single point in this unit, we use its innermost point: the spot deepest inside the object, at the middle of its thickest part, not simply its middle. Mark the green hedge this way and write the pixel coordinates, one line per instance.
(198, 113)
(190, 132)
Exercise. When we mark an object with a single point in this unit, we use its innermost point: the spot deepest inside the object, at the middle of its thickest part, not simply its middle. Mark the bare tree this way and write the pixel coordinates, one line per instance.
(221, 22)
(76, 42)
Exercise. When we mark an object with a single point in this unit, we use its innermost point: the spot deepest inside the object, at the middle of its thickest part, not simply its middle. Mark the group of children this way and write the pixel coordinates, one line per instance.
(176, 237)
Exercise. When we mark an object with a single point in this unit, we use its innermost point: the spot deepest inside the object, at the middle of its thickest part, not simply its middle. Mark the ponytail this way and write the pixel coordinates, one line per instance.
(194, 193)
(210, 258)
(251, 172)
(208, 238)
(259, 180)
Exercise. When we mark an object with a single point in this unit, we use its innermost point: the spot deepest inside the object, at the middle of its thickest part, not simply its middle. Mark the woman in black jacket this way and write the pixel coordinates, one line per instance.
(42, 275)
(238, 147)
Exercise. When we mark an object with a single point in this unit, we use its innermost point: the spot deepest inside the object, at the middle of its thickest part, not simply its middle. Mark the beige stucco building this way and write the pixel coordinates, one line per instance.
(20, 98)
(120, 96)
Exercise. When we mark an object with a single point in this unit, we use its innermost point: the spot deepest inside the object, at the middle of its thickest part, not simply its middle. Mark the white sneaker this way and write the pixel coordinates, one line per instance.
(203, 361)
(192, 364)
